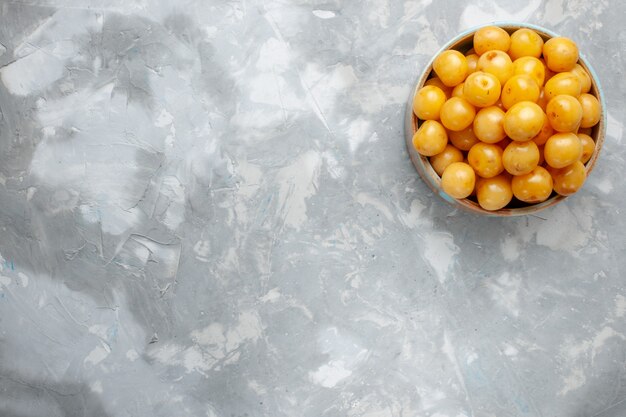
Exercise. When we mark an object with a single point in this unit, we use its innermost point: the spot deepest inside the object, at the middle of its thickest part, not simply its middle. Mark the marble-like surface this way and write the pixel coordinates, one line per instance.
(207, 209)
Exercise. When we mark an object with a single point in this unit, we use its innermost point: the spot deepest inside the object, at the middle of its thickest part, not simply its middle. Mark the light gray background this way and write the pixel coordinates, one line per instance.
(207, 209)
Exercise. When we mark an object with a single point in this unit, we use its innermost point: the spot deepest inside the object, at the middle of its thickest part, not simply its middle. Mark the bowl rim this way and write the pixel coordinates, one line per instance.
(430, 177)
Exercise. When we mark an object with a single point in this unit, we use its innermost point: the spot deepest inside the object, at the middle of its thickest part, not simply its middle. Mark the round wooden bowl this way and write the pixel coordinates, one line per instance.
(463, 43)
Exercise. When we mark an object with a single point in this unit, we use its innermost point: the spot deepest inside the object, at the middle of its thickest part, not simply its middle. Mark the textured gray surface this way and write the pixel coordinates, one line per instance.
(207, 210)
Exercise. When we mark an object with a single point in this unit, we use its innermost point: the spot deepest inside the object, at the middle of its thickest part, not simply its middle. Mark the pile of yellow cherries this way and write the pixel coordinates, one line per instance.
(510, 118)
